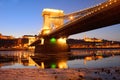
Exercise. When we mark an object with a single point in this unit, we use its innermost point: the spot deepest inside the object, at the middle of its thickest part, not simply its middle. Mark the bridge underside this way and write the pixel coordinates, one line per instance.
(99, 19)
(54, 46)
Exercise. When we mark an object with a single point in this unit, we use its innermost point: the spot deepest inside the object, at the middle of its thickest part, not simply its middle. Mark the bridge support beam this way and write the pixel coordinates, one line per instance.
(52, 45)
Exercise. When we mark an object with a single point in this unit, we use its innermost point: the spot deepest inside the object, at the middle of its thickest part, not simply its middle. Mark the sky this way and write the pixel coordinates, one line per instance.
(24, 17)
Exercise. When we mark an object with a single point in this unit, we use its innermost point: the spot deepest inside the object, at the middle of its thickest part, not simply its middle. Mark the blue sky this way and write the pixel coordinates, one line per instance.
(23, 17)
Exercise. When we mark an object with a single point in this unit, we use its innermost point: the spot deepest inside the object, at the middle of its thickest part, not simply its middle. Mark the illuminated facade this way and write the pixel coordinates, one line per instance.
(75, 43)
(92, 40)
(6, 37)
(49, 20)
(87, 39)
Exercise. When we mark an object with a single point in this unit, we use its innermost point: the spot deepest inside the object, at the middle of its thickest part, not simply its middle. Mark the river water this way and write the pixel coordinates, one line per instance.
(75, 59)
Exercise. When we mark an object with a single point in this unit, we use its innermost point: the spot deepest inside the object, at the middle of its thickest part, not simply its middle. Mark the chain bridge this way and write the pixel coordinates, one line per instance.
(57, 26)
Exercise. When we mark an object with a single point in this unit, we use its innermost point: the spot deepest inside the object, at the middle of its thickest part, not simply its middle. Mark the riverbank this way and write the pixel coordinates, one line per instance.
(25, 49)
(95, 48)
(111, 73)
(16, 49)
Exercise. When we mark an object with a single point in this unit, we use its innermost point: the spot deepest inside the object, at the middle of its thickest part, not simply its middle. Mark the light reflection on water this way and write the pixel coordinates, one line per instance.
(106, 62)
(74, 59)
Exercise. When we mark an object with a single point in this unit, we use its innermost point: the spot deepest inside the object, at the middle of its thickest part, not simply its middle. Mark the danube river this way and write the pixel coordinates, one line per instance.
(75, 59)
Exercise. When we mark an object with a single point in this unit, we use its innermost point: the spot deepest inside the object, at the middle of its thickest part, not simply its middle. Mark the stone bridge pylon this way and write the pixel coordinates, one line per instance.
(50, 20)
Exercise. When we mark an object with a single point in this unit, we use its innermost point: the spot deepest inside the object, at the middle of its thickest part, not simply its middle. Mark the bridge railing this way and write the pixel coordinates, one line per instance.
(87, 12)
(91, 9)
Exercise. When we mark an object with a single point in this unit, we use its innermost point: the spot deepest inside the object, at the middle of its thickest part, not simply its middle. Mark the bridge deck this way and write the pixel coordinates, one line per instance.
(102, 17)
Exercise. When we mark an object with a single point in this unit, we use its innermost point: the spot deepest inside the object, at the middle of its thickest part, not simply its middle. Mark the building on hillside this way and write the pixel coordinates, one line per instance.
(6, 37)
(74, 43)
(92, 40)
(87, 39)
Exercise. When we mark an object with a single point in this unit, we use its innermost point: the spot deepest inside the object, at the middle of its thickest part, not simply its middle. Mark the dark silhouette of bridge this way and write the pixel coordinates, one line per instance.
(101, 15)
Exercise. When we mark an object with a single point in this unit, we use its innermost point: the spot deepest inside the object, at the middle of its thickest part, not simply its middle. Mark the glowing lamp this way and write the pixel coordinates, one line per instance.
(53, 40)
(62, 40)
(53, 65)
(71, 17)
